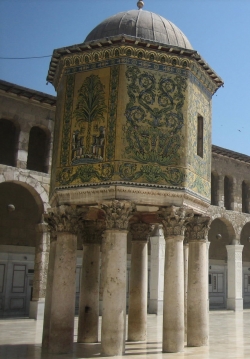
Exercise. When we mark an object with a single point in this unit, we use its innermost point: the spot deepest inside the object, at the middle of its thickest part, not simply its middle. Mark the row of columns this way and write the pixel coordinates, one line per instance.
(60, 296)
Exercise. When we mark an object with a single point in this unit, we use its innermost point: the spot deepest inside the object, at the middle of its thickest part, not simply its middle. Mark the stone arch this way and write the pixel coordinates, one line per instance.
(9, 134)
(245, 241)
(32, 185)
(220, 226)
(38, 149)
(21, 209)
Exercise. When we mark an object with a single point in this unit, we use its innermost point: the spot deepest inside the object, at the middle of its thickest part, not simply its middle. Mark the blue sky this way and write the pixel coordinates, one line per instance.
(218, 29)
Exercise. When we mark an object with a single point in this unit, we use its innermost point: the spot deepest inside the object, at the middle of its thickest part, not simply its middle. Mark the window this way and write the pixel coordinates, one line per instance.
(228, 192)
(214, 188)
(8, 142)
(200, 136)
(38, 150)
(245, 197)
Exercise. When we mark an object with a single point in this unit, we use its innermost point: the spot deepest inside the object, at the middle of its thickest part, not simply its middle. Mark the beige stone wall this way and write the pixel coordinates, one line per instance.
(230, 224)
(27, 190)
(25, 114)
(239, 171)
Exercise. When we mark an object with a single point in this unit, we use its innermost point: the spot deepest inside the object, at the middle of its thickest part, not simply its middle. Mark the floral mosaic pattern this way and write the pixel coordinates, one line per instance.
(154, 117)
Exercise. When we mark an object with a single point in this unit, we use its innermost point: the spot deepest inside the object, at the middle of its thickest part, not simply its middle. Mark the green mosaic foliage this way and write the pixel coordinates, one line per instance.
(85, 173)
(151, 173)
(154, 117)
(67, 119)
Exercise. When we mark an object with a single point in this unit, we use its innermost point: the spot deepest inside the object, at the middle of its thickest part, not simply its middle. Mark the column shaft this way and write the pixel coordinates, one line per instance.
(157, 273)
(137, 314)
(63, 295)
(197, 314)
(234, 275)
(114, 267)
(48, 298)
(89, 296)
(173, 310)
(185, 260)
(40, 272)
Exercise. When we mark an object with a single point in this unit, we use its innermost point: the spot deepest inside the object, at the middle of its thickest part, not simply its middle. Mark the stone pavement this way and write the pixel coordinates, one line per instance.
(229, 339)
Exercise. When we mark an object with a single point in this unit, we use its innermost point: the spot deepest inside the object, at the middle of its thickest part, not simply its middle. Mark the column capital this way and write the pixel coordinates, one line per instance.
(174, 220)
(65, 218)
(117, 213)
(140, 231)
(197, 228)
(91, 231)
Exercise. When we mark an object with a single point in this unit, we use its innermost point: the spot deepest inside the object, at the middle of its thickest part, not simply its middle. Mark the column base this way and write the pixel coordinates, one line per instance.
(235, 304)
(155, 306)
(36, 310)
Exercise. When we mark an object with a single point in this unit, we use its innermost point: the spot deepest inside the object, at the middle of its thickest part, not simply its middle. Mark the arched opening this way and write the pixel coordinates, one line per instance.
(220, 235)
(38, 150)
(228, 193)
(9, 133)
(20, 211)
(245, 197)
(245, 241)
(214, 189)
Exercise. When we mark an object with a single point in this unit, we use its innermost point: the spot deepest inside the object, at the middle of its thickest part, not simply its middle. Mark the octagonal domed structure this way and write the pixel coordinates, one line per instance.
(141, 24)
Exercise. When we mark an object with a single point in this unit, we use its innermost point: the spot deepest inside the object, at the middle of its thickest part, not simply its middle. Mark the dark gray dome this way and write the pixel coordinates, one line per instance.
(141, 24)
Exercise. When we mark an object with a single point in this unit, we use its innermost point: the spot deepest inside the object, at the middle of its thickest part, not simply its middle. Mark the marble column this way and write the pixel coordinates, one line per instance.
(89, 295)
(36, 310)
(156, 281)
(173, 220)
(208, 246)
(137, 313)
(48, 297)
(234, 277)
(185, 264)
(114, 268)
(64, 220)
(197, 313)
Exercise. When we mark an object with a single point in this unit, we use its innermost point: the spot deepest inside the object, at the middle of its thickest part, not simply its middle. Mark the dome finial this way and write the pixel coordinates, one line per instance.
(140, 4)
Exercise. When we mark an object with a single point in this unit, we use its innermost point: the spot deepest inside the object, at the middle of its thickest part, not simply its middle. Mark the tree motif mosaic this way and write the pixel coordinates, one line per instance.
(90, 109)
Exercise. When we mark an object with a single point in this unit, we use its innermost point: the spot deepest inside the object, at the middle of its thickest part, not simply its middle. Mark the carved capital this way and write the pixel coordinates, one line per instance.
(197, 228)
(174, 220)
(65, 218)
(117, 214)
(91, 231)
(140, 231)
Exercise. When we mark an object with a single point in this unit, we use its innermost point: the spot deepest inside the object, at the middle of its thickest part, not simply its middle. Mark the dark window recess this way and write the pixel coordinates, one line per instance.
(214, 189)
(228, 193)
(209, 279)
(38, 150)
(30, 271)
(200, 136)
(245, 197)
(8, 143)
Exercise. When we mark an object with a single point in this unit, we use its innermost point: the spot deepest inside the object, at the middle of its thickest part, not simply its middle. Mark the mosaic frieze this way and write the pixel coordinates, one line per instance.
(115, 55)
